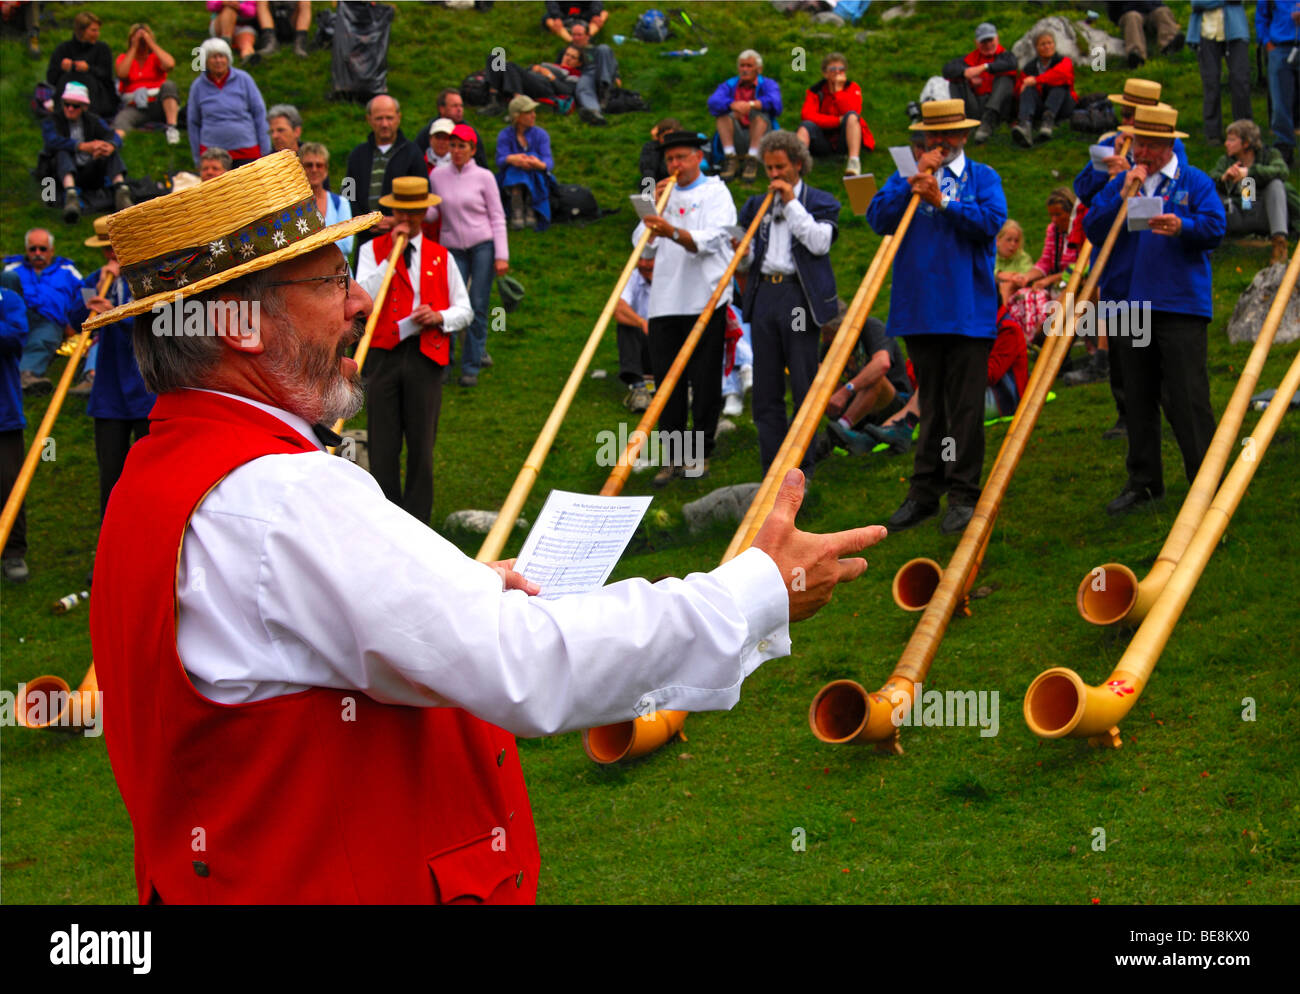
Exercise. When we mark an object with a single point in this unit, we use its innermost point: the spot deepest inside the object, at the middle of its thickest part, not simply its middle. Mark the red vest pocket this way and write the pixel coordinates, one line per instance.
(478, 872)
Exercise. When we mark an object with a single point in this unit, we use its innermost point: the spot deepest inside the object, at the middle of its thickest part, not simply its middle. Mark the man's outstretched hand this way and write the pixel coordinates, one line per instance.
(810, 564)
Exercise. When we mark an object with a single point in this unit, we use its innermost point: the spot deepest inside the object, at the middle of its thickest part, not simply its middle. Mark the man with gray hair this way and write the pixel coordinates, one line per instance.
(285, 124)
(746, 107)
(213, 162)
(790, 293)
(386, 153)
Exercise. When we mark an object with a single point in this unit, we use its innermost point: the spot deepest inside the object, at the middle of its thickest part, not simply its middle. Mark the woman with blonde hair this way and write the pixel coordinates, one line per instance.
(1272, 206)
(1011, 258)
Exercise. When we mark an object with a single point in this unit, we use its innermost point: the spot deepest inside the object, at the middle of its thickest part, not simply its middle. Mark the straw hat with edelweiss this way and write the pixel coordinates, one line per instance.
(194, 240)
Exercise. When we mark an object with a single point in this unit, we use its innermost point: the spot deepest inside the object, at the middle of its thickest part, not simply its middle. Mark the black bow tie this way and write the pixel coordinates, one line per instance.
(326, 435)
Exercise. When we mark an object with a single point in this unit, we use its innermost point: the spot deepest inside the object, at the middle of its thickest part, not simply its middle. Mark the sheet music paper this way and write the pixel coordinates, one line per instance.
(903, 160)
(577, 540)
(1141, 210)
(1099, 154)
(406, 328)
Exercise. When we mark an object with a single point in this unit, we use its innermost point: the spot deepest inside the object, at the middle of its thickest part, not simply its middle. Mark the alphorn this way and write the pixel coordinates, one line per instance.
(1058, 703)
(663, 391)
(363, 346)
(630, 739)
(843, 711)
(490, 551)
(1111, 593)
(19, 492)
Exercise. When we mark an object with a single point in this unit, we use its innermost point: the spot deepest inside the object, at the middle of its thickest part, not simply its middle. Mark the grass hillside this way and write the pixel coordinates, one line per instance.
(1200, 806)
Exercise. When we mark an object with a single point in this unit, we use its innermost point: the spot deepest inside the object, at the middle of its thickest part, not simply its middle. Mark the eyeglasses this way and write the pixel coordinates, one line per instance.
(73, 105)
(344, 281)
(38, 248)
(308, 164)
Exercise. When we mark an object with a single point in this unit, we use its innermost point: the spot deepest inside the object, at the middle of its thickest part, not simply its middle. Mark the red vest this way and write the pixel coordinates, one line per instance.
(323, 796)
(433, 263)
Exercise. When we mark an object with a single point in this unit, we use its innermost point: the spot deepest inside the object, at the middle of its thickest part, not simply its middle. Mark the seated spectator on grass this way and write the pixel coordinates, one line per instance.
(652, 154)
(1012, 258)
(82, 153)
(285, 125)
(832, 116)
(451, 105)
(49, 285)
(226, 108)
(599, 75)
(1274, 206)
(236, 24)
(632, 317)
(1135, 18)
(986, 80)
(1046, 88)
(745, 107)
(524, 167)
(1033, 290)
(213, 162)
(286, 20)
(86, 60)
(560, 17)
(148, 96)
(554, 82)
(564, 75)
(315, 159)
(873, 393)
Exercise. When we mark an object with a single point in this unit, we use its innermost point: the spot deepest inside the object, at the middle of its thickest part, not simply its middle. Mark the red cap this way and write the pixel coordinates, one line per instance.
(465, 133)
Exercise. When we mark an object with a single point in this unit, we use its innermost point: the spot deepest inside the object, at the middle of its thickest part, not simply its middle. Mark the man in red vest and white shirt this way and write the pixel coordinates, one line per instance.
(308, 696)
(411, 346)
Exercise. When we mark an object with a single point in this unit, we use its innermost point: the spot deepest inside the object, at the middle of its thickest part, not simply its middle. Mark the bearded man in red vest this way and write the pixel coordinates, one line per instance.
(411, 346)
(308, 696)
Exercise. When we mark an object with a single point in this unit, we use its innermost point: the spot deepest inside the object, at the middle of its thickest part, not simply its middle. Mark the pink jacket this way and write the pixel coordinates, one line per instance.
(471, 209)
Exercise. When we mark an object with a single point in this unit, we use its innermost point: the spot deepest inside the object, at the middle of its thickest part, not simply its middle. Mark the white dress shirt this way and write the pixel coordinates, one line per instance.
(370, 274)
(637, 294)
(1152, 183)
(684, 280)
(793, 220)
(295, 572)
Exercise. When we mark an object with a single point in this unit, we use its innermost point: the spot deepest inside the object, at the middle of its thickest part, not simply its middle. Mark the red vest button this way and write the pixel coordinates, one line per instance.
(200, 868)
(501, 758)
(519, 879)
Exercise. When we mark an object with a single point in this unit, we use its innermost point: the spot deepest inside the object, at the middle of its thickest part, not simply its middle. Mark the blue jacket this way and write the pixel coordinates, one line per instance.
(767, 93)
(1172, 272)
(49, 293)
(229, 116)
(943, 273)
(816, 277)
(118, 391)
(1273, 22)
(1235, 25)
(13, 336)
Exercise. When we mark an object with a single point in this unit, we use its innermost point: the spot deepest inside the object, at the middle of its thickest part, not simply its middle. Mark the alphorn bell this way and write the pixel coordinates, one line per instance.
(363, 346)
(19, 492)
(630, 739)
(663, 391)
(495, 542)
(1111, 593)
(1059, 704)
(843, 711)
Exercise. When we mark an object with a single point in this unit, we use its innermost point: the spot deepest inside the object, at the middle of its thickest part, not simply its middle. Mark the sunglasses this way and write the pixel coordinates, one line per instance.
(38, 248)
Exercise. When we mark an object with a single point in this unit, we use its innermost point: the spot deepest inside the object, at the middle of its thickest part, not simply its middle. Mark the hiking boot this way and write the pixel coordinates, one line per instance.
(1096, 370)
(468, 380)
(1135, 59)
(666, 476)
(72, 206)
(749, 172)
(898, 436)
(853, 167)
(1129, 499)
(637, 398)
(270, 44)
(696, 469)
(1118, 430)
(589, 116)
(729, 167)
(1176, 45)
(173, 135)
(83, 388)
(35, 386)
(300, 47)
(1046, 126)
(485, 362)
(1021, 135)
(985, 131)
(15, 569)
(909, 514)
(1279, 249)
(122, 197)
(855, 441)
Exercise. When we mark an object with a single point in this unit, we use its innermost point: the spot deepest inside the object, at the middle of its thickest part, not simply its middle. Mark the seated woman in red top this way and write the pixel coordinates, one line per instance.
(1046, 87)
(832, 116)
(147, 94)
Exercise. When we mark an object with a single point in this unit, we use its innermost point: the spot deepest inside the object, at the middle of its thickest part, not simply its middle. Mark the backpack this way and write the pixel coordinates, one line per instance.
(651, 26)
(621, 101)
(474, 89)
(1093, 114)
(570, 202)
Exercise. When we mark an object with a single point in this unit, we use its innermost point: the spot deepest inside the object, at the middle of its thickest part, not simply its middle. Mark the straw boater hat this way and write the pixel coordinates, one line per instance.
(244, 221)
(1138, 93)
(100, 238)
(410, 193)
(1154, 122)
(944, 115)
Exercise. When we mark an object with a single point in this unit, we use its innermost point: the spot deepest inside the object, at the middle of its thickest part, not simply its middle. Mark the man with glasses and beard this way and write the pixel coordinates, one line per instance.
(944, 304)
(333, 688)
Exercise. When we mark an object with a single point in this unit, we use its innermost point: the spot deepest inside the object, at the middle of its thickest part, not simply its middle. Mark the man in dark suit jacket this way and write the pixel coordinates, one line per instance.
(790, 293)
(384, 154)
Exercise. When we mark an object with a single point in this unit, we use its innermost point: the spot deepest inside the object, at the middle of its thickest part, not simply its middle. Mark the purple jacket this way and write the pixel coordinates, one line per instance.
(229, 116)
(768, 94)
(539, 144)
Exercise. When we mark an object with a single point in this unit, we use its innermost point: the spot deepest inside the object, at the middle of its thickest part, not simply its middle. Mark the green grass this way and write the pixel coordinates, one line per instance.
(1198, 807)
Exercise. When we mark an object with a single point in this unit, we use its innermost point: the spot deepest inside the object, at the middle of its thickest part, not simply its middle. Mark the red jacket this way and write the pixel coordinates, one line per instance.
(1061, 73)
(433, 263)
(826, 109)
(1009, 352)
(318, 797)
(976, 58)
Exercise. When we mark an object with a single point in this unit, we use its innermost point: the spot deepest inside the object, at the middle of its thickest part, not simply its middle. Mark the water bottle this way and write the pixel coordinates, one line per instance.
(65, 604)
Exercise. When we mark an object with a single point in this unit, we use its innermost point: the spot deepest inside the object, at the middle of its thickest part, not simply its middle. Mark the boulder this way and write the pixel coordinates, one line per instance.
(355, 447)
(479, 522)
(1075, 40)
(724, 504)
(903, 10)
(1254, 303)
